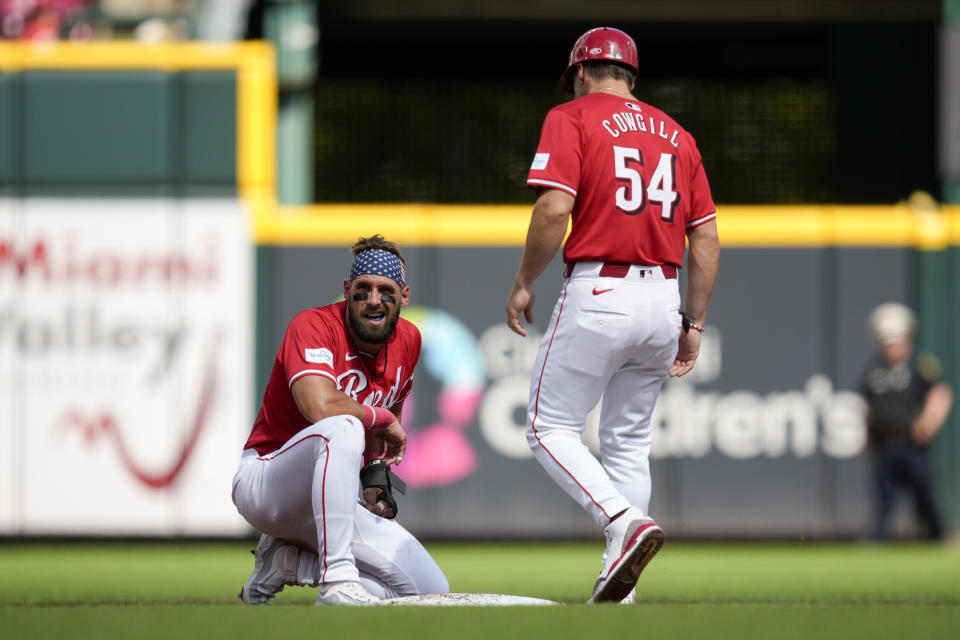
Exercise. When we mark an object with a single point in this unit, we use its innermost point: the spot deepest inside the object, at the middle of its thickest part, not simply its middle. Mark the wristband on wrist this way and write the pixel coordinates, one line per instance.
(377, 418)
(688, 323)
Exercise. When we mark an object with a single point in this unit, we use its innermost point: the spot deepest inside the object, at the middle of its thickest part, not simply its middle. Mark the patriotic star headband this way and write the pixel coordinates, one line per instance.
(378, 262)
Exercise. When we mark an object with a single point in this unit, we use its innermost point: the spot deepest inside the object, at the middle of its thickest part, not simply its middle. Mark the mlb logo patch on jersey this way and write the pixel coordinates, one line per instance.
(540, 162)
(320, 356)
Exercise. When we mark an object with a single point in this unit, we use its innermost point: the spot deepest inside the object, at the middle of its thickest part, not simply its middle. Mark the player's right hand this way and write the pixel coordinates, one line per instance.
(393, 440)
(520, 301)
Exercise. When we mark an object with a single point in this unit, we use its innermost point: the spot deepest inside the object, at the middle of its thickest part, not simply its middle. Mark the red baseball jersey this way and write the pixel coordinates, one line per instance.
(636, 174)
(317, 343)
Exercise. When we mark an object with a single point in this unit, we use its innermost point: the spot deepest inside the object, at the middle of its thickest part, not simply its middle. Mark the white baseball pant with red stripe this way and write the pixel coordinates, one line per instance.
(307, 493)
(615, 337)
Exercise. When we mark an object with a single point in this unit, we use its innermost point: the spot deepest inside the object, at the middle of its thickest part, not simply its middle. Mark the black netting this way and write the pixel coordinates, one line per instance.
(769, 141)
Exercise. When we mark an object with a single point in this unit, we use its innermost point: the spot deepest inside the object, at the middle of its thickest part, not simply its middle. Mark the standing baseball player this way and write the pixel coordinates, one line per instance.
(632, 181)
(331, 408)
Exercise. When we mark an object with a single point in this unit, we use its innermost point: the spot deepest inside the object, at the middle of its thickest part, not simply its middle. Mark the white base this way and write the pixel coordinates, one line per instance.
(469, 600)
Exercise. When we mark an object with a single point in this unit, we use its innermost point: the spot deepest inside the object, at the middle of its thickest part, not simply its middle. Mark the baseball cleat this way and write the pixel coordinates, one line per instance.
(632, 541)
(274, 566)
(349, 592)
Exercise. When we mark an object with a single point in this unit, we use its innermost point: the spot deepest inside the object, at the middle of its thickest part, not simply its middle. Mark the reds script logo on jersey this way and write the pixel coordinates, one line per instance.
(353, 382)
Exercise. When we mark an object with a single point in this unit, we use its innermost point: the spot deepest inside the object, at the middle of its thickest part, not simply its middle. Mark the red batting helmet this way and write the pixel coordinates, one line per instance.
(602, 43)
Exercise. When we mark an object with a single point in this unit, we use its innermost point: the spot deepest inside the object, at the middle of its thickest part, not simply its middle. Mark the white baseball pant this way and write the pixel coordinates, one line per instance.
(614, 337)
(307, 493)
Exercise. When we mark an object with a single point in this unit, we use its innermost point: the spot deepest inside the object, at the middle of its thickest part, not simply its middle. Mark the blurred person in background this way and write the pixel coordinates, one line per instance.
(632, 182)
(45, 20)
(314, 475)
(906, 407)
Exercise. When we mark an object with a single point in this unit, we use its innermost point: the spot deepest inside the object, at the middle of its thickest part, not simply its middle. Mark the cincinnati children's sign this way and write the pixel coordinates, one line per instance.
(125, 358)
(485, 381)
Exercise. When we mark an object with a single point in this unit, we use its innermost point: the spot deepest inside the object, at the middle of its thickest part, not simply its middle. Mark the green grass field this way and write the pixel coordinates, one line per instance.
(736, 590)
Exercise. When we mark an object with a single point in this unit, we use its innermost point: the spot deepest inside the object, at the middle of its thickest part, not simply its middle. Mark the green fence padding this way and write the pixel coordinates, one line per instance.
(209, 127)
(7, 130)
(936, 278)
(97, 126)
(118, 129)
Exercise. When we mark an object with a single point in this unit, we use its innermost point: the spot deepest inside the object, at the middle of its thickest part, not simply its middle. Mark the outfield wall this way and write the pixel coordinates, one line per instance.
(765, 438)
(130, 365)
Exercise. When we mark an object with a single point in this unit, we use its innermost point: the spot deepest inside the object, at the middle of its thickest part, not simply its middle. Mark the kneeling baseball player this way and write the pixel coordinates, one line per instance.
(329, 424)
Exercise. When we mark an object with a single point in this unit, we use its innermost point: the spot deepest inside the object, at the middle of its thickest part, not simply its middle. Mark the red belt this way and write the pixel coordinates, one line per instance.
(620, 270)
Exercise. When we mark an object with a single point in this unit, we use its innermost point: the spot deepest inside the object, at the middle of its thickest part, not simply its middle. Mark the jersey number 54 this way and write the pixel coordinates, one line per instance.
(632, 197)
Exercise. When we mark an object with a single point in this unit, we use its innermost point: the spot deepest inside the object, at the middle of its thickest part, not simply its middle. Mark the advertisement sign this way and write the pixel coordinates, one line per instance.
(125, 364)
(479, 438)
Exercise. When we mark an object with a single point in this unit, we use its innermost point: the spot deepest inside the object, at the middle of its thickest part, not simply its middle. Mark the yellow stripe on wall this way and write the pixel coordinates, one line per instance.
(121, 54)
(506, 225)
(257, 121)
(405, 224)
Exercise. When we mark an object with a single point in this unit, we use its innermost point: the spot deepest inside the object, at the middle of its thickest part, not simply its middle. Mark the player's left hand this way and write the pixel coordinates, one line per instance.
(373, 503)
(379, 483)
(520, 301)
(687, 350)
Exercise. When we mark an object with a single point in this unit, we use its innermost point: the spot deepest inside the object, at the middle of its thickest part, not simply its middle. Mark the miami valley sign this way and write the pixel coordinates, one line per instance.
(125, 364)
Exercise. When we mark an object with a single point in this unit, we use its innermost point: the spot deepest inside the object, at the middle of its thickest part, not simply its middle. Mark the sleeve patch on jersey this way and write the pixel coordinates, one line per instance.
(320, 356)
(540, 162)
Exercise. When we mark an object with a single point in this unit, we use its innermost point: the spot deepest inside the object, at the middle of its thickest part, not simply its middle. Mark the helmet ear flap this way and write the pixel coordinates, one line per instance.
(569, 77)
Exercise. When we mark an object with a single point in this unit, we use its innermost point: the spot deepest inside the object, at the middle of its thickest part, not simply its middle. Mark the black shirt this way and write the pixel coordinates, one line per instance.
(895, 395)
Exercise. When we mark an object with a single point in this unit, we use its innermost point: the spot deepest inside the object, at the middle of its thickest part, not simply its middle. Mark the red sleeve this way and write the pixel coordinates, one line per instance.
(702, 208)
(557, 162)
(308, 348)
(413, 357)
(415, 349)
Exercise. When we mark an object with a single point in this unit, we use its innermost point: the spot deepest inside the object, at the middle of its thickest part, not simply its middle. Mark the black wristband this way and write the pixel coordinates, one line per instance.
(377, 475)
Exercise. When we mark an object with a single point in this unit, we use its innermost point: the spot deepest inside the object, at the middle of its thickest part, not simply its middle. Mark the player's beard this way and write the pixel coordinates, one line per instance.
(373, 335)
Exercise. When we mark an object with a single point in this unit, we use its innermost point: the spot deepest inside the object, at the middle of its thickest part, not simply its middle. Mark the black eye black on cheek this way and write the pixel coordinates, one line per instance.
(388, 298)
(360, 296)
